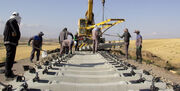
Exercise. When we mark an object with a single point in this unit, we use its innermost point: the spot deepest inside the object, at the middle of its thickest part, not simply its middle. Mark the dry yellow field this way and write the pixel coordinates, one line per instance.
(167, 49)
(23, 51)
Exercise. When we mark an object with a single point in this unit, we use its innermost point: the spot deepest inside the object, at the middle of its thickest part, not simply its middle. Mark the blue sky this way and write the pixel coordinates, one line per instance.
(154, 18)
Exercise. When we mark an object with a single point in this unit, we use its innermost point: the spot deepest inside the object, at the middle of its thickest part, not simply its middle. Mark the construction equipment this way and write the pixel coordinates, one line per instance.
(20, 79)
(25, 87)
(87, 24)
(36, 78)
(6, 87)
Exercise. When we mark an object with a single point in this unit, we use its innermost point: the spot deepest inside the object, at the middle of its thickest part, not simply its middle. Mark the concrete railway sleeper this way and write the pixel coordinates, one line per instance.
(85, 71)
(176, 87)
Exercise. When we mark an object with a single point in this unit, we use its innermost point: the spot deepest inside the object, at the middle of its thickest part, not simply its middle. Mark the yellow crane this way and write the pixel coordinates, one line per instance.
(87, 24)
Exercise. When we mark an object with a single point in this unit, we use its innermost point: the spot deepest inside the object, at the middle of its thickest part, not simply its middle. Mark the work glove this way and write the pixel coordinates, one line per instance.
(74, 39)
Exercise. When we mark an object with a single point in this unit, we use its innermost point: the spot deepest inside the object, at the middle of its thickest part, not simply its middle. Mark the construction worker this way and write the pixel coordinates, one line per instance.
(36, 45)
(138, 46)
(11, 38)
(95, 37)
(66, 43)
(64, 35)
(76, 42)
(126, 35)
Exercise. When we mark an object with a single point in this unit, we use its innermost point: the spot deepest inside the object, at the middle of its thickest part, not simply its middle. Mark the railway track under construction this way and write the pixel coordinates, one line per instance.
(85, 71)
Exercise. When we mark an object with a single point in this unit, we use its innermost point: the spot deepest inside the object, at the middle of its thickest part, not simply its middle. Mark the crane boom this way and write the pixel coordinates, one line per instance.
(89, 14)
(87, 24)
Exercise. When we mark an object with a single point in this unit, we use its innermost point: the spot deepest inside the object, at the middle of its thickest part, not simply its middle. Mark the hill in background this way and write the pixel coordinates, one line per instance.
(25, 39)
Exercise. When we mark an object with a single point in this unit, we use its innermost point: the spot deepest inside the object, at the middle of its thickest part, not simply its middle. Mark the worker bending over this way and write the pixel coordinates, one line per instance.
(36, 45)
(66, 44)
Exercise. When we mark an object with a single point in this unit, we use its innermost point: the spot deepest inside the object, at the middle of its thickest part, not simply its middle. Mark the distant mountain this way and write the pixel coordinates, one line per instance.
(25, 39)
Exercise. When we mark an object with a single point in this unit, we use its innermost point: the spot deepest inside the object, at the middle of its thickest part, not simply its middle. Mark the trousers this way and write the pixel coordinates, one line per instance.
(126, 48)
(95, 45)
(10, 56)
(37, 54)
(138, 53)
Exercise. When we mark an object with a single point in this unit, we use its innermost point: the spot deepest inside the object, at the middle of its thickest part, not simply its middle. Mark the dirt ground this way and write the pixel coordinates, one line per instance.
(158, 72)
(151, 58)
(17, 69)
(166, 49)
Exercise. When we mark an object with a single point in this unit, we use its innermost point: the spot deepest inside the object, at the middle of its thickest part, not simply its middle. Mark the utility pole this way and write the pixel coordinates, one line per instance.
(103, 3)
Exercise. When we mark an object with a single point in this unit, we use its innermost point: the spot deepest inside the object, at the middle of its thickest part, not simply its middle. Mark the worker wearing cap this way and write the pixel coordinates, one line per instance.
(11, 38)
(95, 37)
(138, 46)
(126, 35)
(36, 45)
